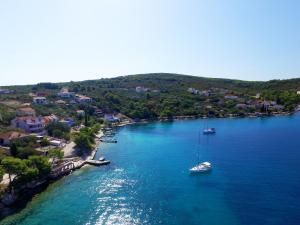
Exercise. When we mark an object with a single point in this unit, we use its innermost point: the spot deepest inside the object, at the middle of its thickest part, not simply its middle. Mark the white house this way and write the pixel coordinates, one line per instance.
(193, 90)
(65, 93)
(111, 118)
(298, 92)
(141, 89)
(205, 93)
(231, 97)
(83, 99)
(40, 100)
(29, 123)
(80, 112)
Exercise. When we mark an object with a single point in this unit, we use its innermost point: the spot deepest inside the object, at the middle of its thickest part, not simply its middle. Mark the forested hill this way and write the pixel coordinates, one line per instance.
(156, 95)
(167, 80)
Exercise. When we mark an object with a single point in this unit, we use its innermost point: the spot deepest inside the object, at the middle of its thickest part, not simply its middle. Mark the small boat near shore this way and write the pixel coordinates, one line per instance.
(98, 162)
(108, 140)
(209, 131)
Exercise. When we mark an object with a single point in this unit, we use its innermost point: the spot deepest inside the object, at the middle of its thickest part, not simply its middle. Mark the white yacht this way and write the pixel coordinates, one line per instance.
(209, 131)
(201, 168)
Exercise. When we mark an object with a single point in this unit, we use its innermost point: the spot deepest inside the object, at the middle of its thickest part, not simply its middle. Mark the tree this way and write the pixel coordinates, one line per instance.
(12, 166)
(1, 173)
(14, 149)
(45, 142)
(56, 153)
(83, 142)
(57, 129)
(41, 163)
(25, 152)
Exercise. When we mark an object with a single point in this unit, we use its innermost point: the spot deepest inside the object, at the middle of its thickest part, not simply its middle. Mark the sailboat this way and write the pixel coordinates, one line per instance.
(203, 166)
(209, 130)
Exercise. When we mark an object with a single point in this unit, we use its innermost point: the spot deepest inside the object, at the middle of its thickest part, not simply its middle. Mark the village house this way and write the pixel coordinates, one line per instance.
(98, 112)
(7, 137)
(111, 118)
(6, 91)
(41, 94)
(193, 91)
(68, 121)
(27, 111)
(241, 106)
(60, 102)
(140, 89)
(40, 100)
(205, 93)
(155, 91)
(30, 124)
(50, 119)
(82, 99)
(65, 93)
(231, 97)
(80, 113)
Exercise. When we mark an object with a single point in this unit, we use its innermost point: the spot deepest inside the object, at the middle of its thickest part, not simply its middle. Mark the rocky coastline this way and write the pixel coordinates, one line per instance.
(14, 202)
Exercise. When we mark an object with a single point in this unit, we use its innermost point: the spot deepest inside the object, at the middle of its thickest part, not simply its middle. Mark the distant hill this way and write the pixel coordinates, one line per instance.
(149, 96)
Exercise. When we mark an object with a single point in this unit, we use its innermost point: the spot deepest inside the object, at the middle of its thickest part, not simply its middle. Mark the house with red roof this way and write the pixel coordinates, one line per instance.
(7, 137)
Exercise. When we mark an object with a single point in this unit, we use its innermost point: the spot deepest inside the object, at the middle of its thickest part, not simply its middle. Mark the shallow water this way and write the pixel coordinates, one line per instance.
(255, 179)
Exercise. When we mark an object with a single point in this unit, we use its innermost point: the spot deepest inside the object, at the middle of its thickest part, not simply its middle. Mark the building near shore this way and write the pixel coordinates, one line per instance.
(109, 117)
(7, 137)
(30, 124)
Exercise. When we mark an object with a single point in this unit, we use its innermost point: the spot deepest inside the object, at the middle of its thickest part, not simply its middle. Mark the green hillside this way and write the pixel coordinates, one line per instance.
(167, 96)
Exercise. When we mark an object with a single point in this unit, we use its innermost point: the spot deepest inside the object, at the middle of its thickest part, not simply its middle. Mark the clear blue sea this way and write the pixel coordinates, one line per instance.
(255, 179)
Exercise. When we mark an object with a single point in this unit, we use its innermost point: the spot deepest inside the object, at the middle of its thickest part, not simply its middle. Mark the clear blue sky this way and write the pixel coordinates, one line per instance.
(60, 40)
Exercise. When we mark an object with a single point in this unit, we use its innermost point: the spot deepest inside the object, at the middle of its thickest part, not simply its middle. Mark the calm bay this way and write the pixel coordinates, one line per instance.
(255, 177)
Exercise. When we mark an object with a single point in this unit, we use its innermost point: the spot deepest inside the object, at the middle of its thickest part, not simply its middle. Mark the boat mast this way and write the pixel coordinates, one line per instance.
(198, 147)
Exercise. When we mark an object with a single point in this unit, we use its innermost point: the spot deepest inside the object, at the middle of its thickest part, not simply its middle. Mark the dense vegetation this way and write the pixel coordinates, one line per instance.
(167, 96)
(85, 139)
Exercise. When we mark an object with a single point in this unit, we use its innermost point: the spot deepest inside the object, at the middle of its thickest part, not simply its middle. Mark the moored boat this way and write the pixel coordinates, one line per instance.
(209, 131)
(201, 168)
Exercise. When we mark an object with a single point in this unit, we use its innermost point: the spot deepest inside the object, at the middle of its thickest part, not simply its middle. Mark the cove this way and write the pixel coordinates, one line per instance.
(255, 177)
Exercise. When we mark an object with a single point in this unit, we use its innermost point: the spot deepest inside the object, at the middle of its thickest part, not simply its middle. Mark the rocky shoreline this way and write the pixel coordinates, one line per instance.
(191, 117)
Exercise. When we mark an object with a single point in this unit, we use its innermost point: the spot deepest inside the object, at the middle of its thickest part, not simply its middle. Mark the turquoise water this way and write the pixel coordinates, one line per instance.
(255, 179)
